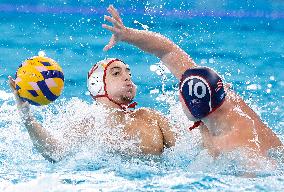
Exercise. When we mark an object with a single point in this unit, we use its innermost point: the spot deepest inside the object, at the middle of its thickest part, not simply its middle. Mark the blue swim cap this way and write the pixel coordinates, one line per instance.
(202, 91)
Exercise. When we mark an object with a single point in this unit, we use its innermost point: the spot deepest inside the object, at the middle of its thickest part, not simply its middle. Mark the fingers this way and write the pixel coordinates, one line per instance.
(111, 43)
(24, 107)
(12, 83)
(107, 47)
(114, 13)
(113, 21)
(116, 29)
(13, 86)
(15, 92)
(112, 29)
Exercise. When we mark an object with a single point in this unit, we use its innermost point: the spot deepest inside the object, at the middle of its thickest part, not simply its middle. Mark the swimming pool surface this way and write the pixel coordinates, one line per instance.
(242, 40)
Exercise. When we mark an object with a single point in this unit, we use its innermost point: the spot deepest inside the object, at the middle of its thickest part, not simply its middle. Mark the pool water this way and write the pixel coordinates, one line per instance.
(243, 41)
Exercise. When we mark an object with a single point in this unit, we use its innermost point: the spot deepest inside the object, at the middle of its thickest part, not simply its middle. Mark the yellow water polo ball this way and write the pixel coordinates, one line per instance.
(39, 80)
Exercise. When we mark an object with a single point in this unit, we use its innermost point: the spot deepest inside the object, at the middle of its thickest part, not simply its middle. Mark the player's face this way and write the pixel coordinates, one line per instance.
(120, 87)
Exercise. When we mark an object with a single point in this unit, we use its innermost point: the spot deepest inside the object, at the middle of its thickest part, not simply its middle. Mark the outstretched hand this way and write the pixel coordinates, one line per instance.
(24, 107)
(118, 29)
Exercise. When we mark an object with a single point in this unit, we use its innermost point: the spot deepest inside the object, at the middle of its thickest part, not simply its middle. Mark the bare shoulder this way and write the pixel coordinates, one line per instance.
(237, 101)
(150, 113)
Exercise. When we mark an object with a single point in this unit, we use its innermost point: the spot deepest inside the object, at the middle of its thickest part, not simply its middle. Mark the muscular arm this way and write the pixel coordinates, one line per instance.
(45, 143)
(154, 43)
(51, 148)
(172, 55)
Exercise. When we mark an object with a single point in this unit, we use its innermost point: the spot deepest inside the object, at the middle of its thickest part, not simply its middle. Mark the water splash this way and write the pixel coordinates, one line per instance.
(97, 163)
(145, 27)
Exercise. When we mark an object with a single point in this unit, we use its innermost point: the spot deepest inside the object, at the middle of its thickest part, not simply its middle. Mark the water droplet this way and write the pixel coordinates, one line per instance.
(41, 53)
(272, 78)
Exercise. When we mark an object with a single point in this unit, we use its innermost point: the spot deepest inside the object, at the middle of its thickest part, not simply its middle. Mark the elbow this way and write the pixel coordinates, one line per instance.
(167, 50)
(53, 157)
(169, 144)
(50, 159)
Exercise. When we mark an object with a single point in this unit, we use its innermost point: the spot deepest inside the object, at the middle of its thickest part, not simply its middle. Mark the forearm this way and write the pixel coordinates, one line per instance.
(43, 140)
(170, 54)
(148, 41)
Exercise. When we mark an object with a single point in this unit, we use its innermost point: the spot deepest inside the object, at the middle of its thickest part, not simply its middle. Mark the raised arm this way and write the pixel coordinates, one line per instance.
(170, 54)
(48, 146)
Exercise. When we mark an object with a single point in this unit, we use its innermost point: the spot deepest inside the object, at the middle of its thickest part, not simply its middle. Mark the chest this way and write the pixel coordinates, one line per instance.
(141, 126)
(147, 131)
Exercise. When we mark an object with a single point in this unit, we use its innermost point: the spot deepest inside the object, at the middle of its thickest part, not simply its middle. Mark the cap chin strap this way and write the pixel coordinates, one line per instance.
(195, 125)
(121, 106)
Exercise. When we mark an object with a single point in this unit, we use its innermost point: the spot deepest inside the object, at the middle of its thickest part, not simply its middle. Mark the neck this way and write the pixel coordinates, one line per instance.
(108, 103)
(216, 122)
(116, 107)
(115, 114)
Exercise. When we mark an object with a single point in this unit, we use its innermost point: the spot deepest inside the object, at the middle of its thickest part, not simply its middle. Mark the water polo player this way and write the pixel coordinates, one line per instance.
(226, 122)
(109, 82)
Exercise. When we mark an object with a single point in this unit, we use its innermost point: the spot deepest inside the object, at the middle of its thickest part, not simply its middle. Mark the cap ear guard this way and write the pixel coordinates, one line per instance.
(95, 84)
(202, 91)
(95, 81)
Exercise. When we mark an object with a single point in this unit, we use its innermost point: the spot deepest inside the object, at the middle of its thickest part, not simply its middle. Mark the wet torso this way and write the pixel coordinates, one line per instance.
(143, 125)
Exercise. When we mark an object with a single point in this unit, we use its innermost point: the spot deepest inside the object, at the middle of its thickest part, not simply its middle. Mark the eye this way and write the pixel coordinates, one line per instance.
(115, 73)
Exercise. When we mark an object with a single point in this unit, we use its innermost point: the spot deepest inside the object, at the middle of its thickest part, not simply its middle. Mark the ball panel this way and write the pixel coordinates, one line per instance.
(52, 74)
(27, 96)
(46, 91)
(59, 85)
(27, 73)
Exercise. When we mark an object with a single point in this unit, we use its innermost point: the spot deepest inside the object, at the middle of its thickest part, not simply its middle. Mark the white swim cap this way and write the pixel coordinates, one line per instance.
(96, 78)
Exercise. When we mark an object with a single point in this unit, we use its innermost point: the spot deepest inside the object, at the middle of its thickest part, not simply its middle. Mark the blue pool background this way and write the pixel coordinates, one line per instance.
(242, 40)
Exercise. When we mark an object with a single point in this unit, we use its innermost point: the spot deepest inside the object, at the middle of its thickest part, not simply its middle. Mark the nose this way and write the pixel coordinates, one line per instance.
(126, 76)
